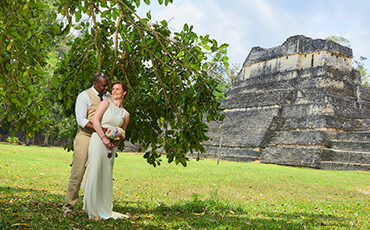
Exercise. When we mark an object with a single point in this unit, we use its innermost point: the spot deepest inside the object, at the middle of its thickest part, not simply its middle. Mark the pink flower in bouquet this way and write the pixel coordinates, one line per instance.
(114, 134)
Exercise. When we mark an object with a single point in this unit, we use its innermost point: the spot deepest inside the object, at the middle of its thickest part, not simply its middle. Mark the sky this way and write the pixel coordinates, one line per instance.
(244, 24)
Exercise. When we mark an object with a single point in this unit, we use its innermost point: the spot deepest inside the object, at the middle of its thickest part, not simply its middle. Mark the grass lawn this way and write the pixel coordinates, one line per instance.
(203, 195)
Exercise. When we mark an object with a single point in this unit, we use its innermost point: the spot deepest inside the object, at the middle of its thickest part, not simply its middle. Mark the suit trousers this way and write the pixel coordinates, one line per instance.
(81, 147)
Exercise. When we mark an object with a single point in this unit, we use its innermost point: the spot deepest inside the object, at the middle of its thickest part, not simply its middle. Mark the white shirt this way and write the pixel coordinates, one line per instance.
(83, 102)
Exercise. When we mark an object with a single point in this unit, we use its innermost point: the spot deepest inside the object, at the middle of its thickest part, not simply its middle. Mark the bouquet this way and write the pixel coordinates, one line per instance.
(114, 134)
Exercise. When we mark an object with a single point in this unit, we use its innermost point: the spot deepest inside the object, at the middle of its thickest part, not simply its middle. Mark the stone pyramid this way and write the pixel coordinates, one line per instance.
(299, 104)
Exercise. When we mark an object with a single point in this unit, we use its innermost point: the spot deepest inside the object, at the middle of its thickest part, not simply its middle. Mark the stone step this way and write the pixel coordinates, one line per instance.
(292, 74)
(353, 136)
(297, 121)
(326, 108)
(346, 156)
(232, 154)
(303, 137)
(330, 165)
(294, 155)
(364, 91)
(243, 128)
(363, 129)
(364, 125)
(322, 81)
(350, 145)
(256, 99)
(342, 105)
(238, 158)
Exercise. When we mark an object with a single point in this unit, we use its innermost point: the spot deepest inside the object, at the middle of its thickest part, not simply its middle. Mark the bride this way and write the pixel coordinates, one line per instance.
(97, 182)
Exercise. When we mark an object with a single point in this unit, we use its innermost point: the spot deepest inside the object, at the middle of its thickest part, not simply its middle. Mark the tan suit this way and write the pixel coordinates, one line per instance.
(81, 147)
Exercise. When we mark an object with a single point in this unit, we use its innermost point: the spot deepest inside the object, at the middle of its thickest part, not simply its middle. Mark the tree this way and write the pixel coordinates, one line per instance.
(225, 76)
(26, 35)
(170, 88)
(359, 65)
(340, 40)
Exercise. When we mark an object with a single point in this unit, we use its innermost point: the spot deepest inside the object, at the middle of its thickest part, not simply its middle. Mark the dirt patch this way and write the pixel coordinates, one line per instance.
(365, 190)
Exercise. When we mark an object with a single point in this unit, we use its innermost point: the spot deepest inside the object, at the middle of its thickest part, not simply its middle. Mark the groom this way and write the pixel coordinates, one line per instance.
(86, 104)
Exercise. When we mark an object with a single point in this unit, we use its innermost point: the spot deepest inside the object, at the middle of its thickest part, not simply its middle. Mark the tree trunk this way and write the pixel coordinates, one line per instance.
(46, 140)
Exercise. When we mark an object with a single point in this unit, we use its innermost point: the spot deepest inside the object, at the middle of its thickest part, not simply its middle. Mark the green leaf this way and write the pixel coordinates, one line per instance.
(104, 4)
(137, 2)
(160, 2)
(148, 15)
(78, 15)
(224, 46)
(29, 101)
(115, 13)
(105, 13)
(147, 2)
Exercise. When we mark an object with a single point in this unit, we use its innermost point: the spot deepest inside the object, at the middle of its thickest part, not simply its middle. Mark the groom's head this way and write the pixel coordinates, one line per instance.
(101, 82)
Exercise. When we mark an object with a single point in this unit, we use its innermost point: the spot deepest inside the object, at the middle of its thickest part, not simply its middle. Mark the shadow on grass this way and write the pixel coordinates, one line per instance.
(34, 209)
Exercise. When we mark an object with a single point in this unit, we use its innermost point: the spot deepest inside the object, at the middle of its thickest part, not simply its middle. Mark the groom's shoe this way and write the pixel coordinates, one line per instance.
(67, 214)
(67, 211)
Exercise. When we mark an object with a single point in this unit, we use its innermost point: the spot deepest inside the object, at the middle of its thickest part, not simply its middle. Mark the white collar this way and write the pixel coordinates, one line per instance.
(96, 92)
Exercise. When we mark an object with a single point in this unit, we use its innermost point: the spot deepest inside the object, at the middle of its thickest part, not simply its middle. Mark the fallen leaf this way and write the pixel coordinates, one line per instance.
(198, 214)
(19, 224)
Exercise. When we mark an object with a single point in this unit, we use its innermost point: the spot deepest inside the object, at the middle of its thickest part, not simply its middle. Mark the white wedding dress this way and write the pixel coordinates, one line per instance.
(98, 180)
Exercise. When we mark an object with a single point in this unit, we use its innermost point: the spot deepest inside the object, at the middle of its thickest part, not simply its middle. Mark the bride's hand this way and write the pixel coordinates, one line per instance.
(115, 144)
(106, 141)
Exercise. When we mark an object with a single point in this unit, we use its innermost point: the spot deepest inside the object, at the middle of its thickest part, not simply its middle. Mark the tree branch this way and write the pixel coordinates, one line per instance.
(116, 43)
(92, 9)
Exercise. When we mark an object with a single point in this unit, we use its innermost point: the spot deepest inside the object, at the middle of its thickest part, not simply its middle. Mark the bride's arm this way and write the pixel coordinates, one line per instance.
(126, 120)
(102, 107)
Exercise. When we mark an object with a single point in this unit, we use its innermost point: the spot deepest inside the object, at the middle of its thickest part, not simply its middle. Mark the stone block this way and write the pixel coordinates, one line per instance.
(350, 145)
(319, 122)
(353, 136)
(233, 154)
(257, 99)
(330, 165)
(346, 156)
(364, 92)
(302, 156)
(313, 109)
(300, 137)
(364, 126)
